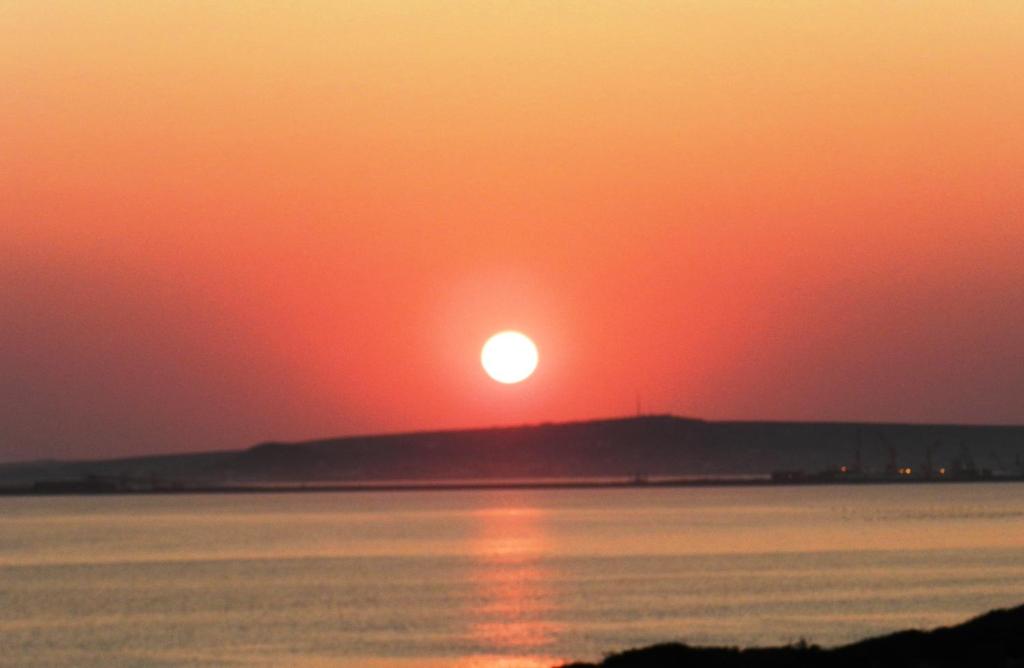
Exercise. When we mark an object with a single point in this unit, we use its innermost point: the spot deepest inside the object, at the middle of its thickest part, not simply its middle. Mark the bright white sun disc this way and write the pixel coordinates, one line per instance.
(509, 357)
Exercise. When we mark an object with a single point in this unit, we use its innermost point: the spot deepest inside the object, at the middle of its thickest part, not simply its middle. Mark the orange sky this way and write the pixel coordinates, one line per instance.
(222, 223)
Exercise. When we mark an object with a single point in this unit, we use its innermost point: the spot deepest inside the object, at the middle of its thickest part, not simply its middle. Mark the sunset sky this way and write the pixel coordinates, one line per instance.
(230, 222)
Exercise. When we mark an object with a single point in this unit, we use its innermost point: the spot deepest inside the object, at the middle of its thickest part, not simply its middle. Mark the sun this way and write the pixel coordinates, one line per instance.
(509, 357)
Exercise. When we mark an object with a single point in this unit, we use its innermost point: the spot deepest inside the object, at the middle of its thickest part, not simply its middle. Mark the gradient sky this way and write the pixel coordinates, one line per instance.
(228, 222)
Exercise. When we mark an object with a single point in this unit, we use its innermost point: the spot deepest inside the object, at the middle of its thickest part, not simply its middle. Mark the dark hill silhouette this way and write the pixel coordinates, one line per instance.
(657, 445)
(993, 640)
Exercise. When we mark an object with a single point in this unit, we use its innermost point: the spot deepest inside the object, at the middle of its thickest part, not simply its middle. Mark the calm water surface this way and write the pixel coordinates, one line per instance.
(516, 579)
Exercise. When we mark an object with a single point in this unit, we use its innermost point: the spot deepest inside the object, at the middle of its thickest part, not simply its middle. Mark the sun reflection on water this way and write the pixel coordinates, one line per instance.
(514, 599)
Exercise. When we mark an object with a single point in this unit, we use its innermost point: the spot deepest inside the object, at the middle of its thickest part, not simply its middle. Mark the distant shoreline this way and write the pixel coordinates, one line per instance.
(651, 450)
(102, 488)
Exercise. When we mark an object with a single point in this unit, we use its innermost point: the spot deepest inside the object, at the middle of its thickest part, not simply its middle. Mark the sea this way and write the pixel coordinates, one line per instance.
(494, 578)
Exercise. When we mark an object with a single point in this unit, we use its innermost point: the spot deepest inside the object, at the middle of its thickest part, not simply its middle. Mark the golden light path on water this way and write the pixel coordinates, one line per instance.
(515, 589)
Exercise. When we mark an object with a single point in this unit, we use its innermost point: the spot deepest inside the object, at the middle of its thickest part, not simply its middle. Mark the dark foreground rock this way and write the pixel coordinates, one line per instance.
(994, 640)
